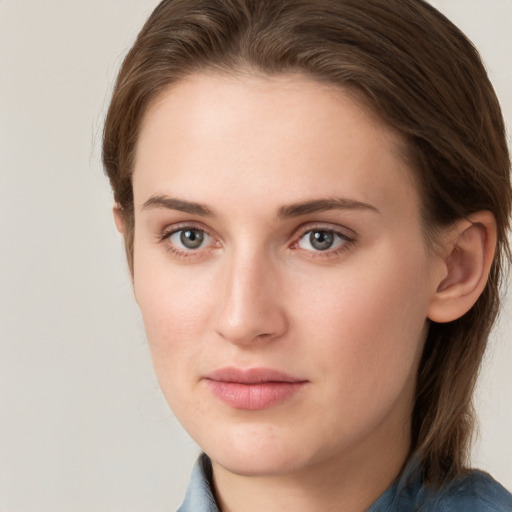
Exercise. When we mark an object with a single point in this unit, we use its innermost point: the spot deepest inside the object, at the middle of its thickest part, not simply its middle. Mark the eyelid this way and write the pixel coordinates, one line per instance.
(343, 232)
(165, 235)
(181, 226)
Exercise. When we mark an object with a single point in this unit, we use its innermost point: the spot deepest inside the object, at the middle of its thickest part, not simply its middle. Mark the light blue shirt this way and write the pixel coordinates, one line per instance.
(474, 492)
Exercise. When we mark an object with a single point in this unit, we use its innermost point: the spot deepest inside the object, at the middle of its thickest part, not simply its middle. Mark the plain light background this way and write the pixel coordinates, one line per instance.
(83, 426)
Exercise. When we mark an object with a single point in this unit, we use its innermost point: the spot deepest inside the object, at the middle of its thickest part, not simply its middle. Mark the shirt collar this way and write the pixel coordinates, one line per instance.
(199, 496)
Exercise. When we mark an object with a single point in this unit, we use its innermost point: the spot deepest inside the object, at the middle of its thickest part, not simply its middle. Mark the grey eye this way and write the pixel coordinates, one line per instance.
(321, 240)
(191, 238)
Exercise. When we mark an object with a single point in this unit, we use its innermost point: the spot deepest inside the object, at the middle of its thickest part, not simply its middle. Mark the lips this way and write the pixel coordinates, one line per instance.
(254, 388)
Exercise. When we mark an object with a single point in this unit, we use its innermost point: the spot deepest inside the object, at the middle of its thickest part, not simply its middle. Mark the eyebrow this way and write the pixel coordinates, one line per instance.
(286, 211)
(322, 205)
(172, 203)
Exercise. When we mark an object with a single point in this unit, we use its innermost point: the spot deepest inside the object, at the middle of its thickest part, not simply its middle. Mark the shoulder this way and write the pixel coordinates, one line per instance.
(474, 492)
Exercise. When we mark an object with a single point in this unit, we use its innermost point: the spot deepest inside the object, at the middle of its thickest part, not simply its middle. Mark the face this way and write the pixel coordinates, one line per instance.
(281, 271)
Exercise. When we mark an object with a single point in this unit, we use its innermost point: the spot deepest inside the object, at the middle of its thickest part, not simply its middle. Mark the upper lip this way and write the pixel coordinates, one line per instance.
(251, 376)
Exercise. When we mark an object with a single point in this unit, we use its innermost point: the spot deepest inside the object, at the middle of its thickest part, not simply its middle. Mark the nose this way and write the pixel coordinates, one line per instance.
(252, 305)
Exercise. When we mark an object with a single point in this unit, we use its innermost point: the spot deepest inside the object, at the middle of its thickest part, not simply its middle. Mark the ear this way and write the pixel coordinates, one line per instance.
(467, 255)
(119, 219)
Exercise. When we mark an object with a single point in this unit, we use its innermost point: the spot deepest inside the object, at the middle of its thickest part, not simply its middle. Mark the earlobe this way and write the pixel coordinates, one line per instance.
(119, 219)
(469, 251)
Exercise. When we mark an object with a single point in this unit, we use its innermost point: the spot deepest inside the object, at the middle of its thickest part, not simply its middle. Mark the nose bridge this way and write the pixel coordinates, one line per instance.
(250, 305)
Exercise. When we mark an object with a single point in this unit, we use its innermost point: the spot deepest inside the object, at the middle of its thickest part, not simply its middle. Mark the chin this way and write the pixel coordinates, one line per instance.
(263, 453)
(254, 464)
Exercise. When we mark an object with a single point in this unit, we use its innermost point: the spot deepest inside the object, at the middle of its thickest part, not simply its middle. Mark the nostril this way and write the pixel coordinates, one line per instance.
(249, 308)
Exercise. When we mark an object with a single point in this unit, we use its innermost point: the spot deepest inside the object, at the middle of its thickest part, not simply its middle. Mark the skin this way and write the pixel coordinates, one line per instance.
(349, 321)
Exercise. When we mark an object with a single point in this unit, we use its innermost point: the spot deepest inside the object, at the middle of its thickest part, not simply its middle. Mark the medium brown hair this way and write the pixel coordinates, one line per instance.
(423, 77)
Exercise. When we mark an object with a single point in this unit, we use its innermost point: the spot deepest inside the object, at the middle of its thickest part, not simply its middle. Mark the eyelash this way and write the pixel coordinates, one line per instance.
(346, 241)
(183, 253)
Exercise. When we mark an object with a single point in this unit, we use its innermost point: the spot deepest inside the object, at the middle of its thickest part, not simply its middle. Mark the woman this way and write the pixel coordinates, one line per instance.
(314, 198)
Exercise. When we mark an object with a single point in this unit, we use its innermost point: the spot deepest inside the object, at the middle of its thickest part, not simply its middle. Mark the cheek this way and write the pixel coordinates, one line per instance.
(368, 330)
(174, 307)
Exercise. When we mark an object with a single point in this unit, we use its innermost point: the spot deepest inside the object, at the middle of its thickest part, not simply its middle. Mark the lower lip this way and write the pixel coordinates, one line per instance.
(254, 397)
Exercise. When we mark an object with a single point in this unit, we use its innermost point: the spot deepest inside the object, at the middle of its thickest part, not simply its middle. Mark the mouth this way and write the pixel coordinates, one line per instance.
(254, 388)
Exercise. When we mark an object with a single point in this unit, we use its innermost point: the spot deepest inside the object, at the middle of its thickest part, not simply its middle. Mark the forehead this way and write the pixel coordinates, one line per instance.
(253, 134)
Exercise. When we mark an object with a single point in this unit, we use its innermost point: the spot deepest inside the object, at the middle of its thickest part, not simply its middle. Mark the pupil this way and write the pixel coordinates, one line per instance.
(321, 240)
(191, 238)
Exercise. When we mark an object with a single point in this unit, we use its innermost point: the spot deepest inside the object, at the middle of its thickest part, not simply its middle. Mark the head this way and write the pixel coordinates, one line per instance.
(410, 70)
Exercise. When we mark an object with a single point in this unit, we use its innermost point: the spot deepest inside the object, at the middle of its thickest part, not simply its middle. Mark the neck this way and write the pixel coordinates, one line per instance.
(351, 482)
